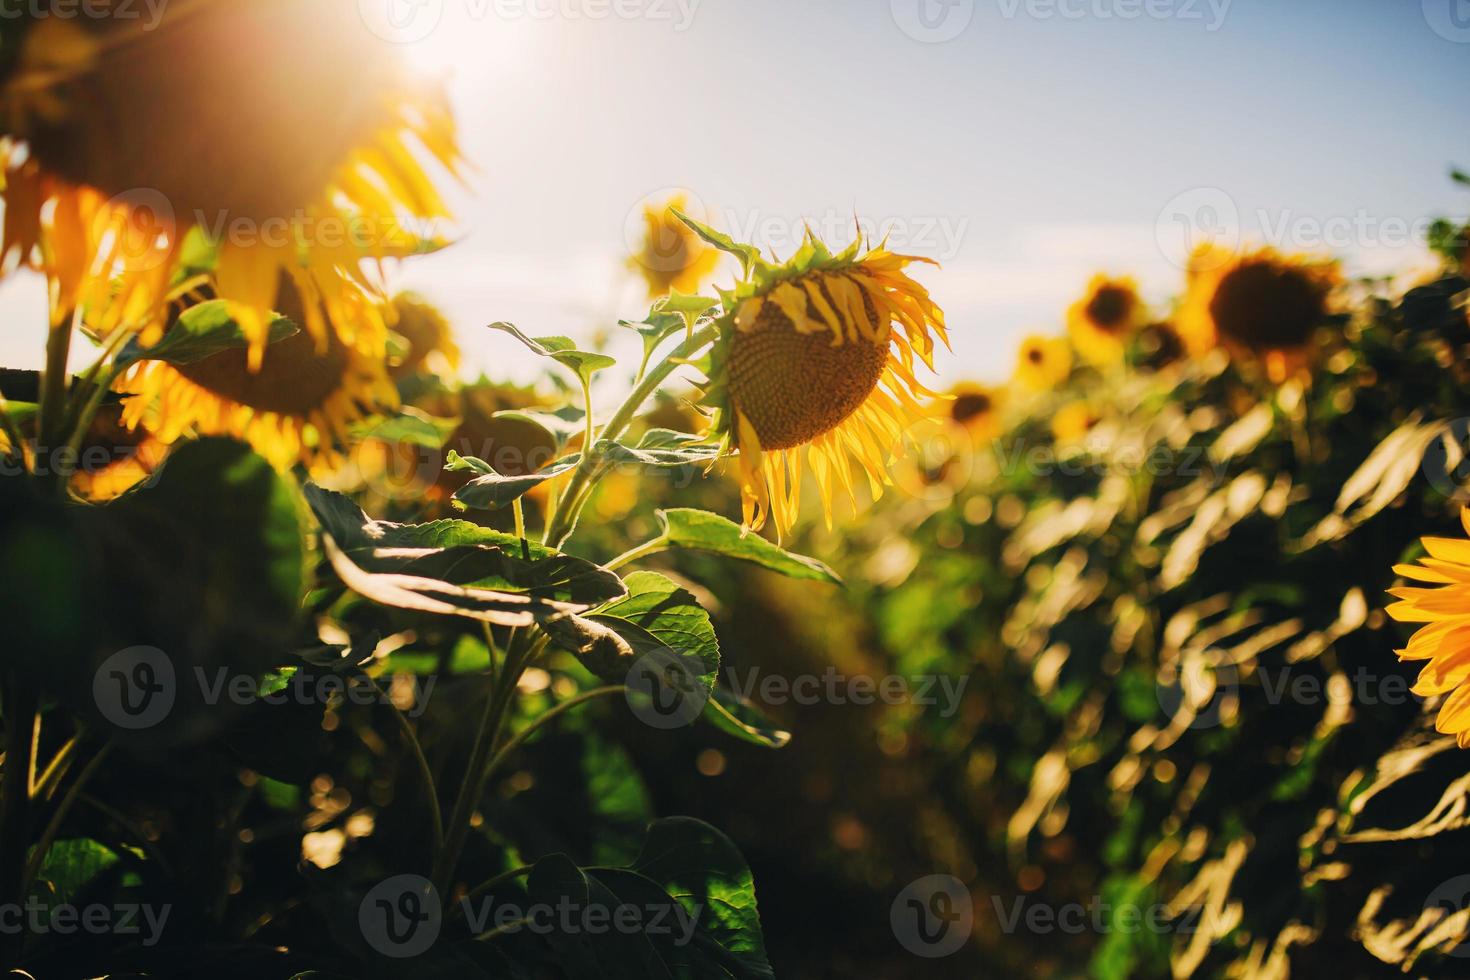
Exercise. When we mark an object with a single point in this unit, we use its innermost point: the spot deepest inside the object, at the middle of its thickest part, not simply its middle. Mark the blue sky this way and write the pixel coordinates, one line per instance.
(1045, 140)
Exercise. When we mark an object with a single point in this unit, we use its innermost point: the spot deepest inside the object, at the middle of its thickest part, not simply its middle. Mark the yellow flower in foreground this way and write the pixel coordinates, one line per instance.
(1043, 363)
(1101, 322)
(1260, 304)
(283, 130)
(671, 255)
(113, 459)
(1444, 640)
(818, 354)
(296, 407)
(429, 337)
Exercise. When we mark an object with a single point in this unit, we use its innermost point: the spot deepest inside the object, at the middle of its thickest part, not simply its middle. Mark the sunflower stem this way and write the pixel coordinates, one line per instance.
(653, 547)
(51, 421)
(573, 499)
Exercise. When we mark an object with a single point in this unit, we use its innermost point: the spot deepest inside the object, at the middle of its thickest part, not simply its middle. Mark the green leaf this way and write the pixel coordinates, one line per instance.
(658, 614)
(492, 491)
(700, 530)
(740, 720)
(201, 331)
(70, 865)
(684, 455)
(748, 255)
(459, 554)
(562, 350)
(410, 426)
(561, 426)
(700, 867)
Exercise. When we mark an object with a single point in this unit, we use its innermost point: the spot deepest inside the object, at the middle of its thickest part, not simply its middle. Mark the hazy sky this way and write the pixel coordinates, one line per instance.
(1025, 143)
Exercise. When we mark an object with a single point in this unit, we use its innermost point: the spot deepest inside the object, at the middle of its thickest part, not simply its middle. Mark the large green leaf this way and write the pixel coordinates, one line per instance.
(199, 332)
(659, 614)
(700, 867)
(492, 490)
(461, 554)
(385, 563)
(702, 531)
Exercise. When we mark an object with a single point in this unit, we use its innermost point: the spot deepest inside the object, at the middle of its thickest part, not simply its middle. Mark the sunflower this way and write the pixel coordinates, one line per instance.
(1072, 423)
(976, 408)
(114, 458)
(671, 255)
(1444, 640)
(1043, 363)
(297, 406)
(1259, 304)
(110, 159)
(809, 359)
(428, 338)
(1101, 322)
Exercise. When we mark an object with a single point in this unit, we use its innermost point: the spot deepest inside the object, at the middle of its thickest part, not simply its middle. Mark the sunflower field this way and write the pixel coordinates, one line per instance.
(761, 653)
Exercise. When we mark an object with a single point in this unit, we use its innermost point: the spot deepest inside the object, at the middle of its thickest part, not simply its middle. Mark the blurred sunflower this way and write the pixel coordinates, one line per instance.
(1072, 423)
(1444, 640)
(809, 358)
(296, 406)
(113, 458)
(1043, 363)
(427, 336)
(1101, 322)
(1159, 345)
(977, 409)
(123, 137)
(672, 256)
(1261, 304)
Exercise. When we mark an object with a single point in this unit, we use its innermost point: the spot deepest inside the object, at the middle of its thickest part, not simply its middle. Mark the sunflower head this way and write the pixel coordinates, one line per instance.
(1072, 423)
(1103, 320)
(428, 340)
(1043, 363)
(671, 256)
(296, 406)
(975, 408)
(316, 166)
(1259, 304)
(1440, 599)
(817, 356)
(1159, 345)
